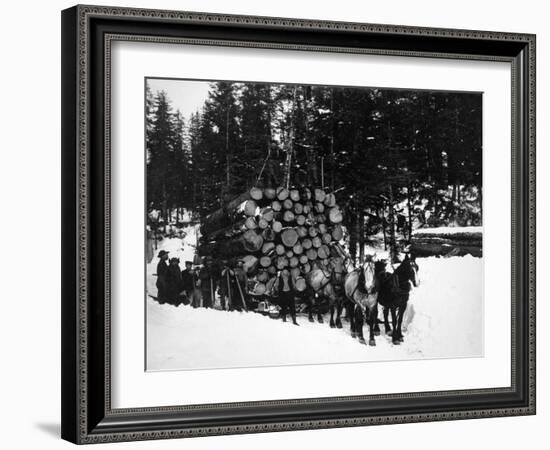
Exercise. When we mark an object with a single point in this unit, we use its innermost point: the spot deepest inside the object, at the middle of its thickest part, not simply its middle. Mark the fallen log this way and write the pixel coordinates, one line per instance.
(288, 216)
(250, 263)
(282, 193)
(337, 232)
(270, 193)
(289, 237)
(319, 195)
(323, 252)
(444, 247)
(259, 289)
(265, 261)
(330, 200)
(311, 254)
(268, 234)
(276, 226)
(335, 215)
(300, 284)
(248, 242)
(281, 262)
(231, 231)
(312, 231)
(263, 224)
(256, 194)
(305, 193)
(316, 242)
(262, 276)
(267, 214)
(268, 247)
(223, 217)
(302, 231)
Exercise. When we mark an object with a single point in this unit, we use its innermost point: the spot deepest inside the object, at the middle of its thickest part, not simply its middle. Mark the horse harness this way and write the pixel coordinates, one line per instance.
(329, 278)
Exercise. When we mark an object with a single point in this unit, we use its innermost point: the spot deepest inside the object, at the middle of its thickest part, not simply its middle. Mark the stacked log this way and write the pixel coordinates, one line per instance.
(274, 229)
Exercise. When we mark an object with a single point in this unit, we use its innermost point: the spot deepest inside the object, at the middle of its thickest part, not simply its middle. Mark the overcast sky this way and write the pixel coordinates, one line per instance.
(187, 96)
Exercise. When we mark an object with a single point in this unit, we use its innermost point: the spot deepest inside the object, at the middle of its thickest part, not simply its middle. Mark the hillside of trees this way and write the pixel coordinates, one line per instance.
(396, 159)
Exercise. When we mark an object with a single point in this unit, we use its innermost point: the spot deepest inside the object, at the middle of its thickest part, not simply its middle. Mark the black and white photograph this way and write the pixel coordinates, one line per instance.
(294, 224)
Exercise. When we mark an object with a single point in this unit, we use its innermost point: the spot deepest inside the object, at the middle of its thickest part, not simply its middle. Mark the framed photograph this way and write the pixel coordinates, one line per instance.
(281, 224)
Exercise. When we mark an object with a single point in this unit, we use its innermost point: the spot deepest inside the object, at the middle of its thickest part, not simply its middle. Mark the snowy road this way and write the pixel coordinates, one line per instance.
(447, 323)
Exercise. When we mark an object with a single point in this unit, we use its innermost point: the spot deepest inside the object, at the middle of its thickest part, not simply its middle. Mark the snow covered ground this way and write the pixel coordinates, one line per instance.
(445, 320)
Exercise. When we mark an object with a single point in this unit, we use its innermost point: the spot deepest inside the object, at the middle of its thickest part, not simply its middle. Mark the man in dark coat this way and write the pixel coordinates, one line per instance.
(188, 282)
(239, 286)
(173, 282)
(162, 270)
(207, 284)
(225, 290)
(286, 296)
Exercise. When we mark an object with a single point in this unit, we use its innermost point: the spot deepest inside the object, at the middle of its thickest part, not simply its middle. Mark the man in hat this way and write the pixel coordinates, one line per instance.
(173, 282)
(240, 285)
(188, 282)
(207, 283)
(286, 296)
(162, 271)
(224, 287)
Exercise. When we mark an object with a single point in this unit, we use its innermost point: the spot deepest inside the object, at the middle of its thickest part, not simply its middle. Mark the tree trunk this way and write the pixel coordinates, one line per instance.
(391, 225)
(223, 217)
(231, 231)
(248, 242)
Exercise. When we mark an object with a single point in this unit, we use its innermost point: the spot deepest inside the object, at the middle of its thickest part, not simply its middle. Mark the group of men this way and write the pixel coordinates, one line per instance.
(196, 285)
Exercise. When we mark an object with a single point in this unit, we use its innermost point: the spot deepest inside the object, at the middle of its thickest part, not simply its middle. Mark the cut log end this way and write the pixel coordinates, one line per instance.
(289, 237)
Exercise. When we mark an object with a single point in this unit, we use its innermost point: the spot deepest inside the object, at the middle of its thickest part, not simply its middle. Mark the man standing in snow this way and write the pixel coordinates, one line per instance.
(162, 271)
(224, 289)
(207, 283)
(286, 296)
(173, 282)
(240, 284)
(188, 282)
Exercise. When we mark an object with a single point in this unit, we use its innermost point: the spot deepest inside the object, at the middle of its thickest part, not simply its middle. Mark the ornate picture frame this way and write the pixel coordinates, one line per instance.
(88, 33)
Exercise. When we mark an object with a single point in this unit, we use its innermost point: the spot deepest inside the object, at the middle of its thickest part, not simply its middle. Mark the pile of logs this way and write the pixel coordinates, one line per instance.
(447, 241)
(273, 229)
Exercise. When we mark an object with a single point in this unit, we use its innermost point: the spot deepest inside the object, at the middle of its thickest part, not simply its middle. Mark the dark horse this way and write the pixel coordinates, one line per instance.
(326, 283)
(360, 287)
(393, 293)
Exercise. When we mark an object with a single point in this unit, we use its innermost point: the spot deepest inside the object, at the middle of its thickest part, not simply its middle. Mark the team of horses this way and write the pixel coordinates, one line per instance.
(360, 291)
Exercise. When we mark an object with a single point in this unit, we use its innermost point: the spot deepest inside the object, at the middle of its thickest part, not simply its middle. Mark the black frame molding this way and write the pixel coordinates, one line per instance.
(87, 34)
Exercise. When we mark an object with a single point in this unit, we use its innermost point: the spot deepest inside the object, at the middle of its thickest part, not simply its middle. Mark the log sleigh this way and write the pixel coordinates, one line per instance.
(274, 229)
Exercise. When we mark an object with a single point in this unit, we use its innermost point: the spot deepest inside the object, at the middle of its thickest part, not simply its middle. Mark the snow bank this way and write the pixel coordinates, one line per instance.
(444, 320)
(448, 231)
